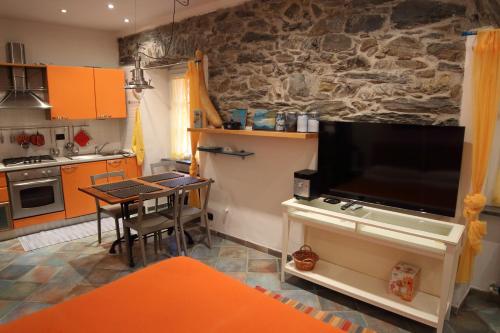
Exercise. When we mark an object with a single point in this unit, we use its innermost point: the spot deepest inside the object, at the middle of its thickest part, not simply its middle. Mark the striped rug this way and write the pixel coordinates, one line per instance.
(64, 234)
(324, 316)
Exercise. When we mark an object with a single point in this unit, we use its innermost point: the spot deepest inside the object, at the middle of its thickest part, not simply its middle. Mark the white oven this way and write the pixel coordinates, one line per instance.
(35, 192)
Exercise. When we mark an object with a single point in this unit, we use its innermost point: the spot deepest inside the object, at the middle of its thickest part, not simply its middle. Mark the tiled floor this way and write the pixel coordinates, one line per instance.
(35, 280)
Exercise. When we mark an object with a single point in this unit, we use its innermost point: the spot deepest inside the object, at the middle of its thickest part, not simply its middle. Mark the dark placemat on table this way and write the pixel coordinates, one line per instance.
(116, 186)
(180, 182)
(162, 176)
(133, 191)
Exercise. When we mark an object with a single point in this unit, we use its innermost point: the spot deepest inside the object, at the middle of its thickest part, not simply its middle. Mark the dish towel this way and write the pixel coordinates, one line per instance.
(137, 138)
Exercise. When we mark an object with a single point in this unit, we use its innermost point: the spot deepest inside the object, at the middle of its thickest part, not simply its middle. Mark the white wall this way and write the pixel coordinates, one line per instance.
(61, 45)
(247, 194)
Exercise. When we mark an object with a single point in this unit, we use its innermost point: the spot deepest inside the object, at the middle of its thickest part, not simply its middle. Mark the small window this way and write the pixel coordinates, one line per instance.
(180, 147)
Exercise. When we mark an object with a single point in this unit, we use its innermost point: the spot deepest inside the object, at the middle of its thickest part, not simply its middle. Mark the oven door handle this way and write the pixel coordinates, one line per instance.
(36, 182)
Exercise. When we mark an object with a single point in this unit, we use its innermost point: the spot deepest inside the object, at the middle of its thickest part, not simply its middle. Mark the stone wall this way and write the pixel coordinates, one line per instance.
(364, 60)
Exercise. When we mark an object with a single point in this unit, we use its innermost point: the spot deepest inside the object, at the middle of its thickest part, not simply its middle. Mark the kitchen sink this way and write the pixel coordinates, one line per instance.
(85, 157)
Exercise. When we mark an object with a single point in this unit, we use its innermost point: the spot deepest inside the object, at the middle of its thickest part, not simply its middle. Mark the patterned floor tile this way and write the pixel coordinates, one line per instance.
(380, 326)
(201, 251)
(333, 301)
(468, 322)
(7, 306)
(30, 258)
(40, 274)
(231, 265)
(60, 258)
(254, 254)
(24, 309)
(113, 262)
(240, 276)
(14, 272)
(74, 247)
(303, 296)
(79, 290)
(7, 257)
(235, 252)
(352, 316)
(50, 293)
(269, 281)
(18, 290)
(68, 274)
(491, 317)
(209, 261)
(100, 276)
(263, 265)
(293, 282)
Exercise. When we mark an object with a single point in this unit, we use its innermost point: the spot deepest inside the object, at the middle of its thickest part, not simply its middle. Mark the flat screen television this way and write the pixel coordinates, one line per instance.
(406, 166)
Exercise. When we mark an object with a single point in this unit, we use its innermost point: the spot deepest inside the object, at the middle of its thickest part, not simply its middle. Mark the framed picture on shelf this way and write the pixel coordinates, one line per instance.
(239, 115)
(264, 120)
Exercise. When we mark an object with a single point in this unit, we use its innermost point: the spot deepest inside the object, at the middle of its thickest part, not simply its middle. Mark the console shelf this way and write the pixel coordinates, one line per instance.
(241, 154)
(267, 134)
(357, 250)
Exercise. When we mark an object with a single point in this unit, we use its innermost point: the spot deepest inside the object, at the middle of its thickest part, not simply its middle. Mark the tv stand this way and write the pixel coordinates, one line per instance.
(357, 250)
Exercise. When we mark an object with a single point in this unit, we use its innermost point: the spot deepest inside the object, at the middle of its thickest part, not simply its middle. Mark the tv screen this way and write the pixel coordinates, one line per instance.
(407, 166)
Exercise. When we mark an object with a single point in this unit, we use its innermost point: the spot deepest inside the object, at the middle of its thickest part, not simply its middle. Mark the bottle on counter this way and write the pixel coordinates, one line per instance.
(280, 121)
(291, 121)
(313, 122)
(302, 122)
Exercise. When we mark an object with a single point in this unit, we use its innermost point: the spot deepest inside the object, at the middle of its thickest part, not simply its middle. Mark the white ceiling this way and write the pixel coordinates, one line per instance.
(95, 14)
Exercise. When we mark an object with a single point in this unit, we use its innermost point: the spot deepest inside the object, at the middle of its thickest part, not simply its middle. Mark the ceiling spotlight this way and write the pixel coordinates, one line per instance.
(126, 20)
(111, 6)
(64, 11)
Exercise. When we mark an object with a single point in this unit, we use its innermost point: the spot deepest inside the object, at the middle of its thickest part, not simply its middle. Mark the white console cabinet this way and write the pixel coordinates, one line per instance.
(358, 249)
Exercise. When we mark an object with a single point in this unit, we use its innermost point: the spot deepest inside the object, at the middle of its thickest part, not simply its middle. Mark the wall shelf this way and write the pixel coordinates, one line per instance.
(267, 134)
(241, 154)
(8, 64)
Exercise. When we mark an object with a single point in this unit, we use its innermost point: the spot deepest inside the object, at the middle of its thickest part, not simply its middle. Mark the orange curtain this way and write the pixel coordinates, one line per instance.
(486, 99)
(193, 78)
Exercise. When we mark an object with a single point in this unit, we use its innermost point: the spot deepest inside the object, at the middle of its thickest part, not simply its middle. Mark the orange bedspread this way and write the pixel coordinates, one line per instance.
(177, 295)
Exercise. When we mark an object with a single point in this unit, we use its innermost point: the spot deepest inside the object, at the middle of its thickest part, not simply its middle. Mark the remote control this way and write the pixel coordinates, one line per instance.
(356, 207)
(347, 205)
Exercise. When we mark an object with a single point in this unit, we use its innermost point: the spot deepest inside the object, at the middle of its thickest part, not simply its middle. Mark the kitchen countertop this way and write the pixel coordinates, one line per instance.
(60, 160)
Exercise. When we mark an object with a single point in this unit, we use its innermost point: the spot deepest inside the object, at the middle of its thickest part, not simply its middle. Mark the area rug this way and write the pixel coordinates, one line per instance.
(324, 316)
(64, 234)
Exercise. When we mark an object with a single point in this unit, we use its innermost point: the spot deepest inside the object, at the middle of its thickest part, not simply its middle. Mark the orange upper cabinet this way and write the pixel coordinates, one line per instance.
(109, 93)
(71, 92)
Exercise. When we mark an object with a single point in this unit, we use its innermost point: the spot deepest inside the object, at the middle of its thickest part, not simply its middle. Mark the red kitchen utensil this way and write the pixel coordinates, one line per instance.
(82, 138)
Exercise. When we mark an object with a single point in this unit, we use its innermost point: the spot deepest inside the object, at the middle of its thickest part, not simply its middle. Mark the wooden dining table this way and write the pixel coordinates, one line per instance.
(125, 202)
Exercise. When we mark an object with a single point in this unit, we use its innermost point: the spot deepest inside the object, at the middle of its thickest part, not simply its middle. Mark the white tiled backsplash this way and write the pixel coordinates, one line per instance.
(100, 131)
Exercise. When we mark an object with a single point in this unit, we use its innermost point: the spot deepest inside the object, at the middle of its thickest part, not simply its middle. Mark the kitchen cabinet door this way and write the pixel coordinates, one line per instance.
(110, 93)
(71, 92)
(3, 180)
(132, 169)
(116, 165)
(5, 218)
(74, 176)
(4, 194)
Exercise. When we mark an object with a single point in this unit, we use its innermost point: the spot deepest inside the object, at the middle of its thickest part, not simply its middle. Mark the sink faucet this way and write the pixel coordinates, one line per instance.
(99, 149)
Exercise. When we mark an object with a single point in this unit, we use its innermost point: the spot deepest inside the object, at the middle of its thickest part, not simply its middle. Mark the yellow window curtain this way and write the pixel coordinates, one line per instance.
(486, 98)
(137, 138)
(179, 105)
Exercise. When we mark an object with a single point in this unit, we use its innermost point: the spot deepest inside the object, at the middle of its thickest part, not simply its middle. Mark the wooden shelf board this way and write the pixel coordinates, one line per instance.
(268, 134)
(8, 64)
(235, 153)
(423, 308)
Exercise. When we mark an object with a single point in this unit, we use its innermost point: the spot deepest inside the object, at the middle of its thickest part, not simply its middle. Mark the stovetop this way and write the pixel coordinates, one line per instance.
(39, 159)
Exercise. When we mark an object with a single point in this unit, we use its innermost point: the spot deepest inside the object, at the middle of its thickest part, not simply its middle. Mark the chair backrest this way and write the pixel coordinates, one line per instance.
(203, 187)
(106, 175)
(155, 196)
(162, 166)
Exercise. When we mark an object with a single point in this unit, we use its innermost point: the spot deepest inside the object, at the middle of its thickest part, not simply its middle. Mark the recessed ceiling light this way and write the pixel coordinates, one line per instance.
(111, 6)
(126, 20)
(64, 11)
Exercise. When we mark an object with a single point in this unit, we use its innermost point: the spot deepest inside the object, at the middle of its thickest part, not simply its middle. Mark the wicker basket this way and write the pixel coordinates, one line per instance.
(305, 258)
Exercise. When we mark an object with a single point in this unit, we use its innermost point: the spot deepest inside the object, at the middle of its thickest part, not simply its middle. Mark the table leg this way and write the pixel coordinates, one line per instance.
(126, 231)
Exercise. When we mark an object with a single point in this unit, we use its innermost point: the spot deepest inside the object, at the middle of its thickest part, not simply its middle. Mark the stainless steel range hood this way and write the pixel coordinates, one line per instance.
(19, 97)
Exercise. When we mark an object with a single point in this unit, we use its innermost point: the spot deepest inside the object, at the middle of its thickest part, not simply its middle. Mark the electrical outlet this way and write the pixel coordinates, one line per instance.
(210, 216)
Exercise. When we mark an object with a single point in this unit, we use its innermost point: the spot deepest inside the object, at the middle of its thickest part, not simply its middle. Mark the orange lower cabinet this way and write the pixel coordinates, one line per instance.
(40, 219)
(116, 166)
(4, 194)
(132, 169)
(74, 176)
(3, 180)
